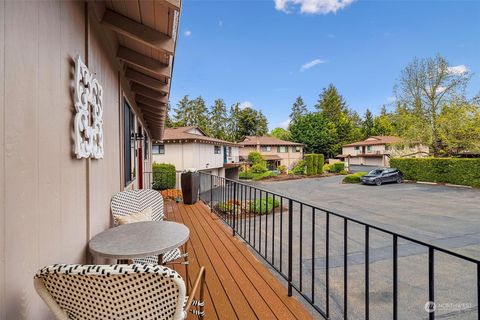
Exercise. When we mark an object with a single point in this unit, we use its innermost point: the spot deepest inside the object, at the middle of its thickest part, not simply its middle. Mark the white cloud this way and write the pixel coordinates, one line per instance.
(187, 33)
(245, 104)
(458, 70)
(313, 6)
(284, 124)
(311, 64)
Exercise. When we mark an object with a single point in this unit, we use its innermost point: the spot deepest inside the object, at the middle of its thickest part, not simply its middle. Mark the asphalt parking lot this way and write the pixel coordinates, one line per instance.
(445, 216)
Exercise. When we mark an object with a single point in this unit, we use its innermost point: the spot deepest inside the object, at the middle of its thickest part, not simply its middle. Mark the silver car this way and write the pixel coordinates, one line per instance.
(379, 176)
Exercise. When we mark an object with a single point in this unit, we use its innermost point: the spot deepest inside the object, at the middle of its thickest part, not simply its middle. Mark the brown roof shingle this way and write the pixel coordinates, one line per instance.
(181, 134)
(375, 140)
(267, 141)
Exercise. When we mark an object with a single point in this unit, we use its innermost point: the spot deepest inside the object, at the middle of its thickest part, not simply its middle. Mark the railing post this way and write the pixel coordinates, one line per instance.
(211, 193)
(234, 206)
(290, 245)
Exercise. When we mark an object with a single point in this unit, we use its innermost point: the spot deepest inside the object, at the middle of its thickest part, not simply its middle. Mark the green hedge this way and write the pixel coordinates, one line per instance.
(448, 170)
(246, 175)
(164, 176)
(320, 163)
(354, 177)
(310, 162)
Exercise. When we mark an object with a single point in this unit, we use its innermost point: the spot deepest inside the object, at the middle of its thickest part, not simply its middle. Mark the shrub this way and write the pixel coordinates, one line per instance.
(448, 170)
(282, 169)
(246, 175)
(264, 206)
(354, 177)
(164, 176)
(344, 172)
(260, 176)
(299, 168)
(310, 163)
(337, 167)
(255, 158)
(258, 168)
(225, 207)
(320, 163)
(327, 167)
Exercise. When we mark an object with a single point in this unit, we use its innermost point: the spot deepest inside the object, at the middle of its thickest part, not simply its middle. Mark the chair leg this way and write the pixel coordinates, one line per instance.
(202, 296)
(186, 267)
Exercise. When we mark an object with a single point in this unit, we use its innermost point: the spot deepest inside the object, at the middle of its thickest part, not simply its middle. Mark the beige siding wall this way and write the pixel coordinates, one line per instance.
(51, 204)
(288, 159)
(190, 155)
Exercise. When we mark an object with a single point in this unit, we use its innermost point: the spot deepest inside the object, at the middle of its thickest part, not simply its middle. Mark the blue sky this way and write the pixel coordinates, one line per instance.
(265, 53)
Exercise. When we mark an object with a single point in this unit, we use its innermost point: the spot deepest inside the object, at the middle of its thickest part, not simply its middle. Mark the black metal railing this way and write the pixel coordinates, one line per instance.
(167, 182)
(324, 256)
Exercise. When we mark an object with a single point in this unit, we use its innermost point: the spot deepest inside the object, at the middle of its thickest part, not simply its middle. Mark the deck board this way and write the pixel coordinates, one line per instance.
(238, 285)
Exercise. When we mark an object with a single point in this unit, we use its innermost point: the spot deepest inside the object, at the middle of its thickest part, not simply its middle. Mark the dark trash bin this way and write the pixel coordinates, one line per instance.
(190, 182)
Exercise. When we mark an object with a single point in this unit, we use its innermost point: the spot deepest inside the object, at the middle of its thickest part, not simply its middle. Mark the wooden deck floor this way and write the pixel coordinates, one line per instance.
(238, 285)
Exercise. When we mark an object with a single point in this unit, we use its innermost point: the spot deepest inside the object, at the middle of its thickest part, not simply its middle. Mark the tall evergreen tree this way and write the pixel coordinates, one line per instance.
(331, 104)
(368, 124)
(250, 123)
(298, 109)
(218, 120)
(181, 112)
(232, 122)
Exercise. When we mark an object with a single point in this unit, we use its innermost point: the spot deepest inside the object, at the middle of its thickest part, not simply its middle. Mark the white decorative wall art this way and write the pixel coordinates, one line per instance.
(88, 100)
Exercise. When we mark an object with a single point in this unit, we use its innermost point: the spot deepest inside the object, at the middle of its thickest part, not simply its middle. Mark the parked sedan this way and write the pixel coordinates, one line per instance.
(379, 176)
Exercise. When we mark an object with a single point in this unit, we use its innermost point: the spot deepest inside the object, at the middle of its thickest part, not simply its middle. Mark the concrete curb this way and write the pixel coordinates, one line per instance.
(440, 184)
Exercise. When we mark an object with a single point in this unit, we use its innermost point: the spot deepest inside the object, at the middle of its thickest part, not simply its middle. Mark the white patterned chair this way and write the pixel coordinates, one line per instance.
(136, 291)
(133, 201)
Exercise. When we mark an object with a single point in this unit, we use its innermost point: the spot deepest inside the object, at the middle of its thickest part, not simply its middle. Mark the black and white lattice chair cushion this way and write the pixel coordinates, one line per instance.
(133, 201)
(137, 291)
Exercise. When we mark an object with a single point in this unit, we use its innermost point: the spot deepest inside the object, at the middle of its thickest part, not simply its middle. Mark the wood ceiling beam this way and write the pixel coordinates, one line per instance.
(151, 102)
(137, 31)
(147, 92)
(147, 81)
(174, 4)
(152, 110)
(144, 62)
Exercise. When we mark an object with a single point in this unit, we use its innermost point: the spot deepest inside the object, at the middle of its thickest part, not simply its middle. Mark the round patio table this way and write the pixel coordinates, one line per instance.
(139, 240)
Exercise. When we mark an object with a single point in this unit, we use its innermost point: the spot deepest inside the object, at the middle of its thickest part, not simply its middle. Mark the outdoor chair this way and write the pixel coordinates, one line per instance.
(136, 291)
(134, 201)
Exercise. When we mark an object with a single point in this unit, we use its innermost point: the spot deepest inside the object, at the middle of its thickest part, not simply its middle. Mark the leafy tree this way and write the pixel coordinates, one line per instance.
(250, 123)
(281, 134)
(316, 132)
(383, 124)
(368, 124)
(425, 86)
(298, 109)
(459, 127)
(218, 120)
(168, 120)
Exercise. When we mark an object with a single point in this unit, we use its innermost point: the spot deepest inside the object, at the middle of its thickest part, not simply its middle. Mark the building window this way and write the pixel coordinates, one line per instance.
(266, 148)
(357, 148)
(217, 150)
(282, 149)
(369, 148)
(158, 149)
(129, 151)
(297, 149)
(229, 151)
